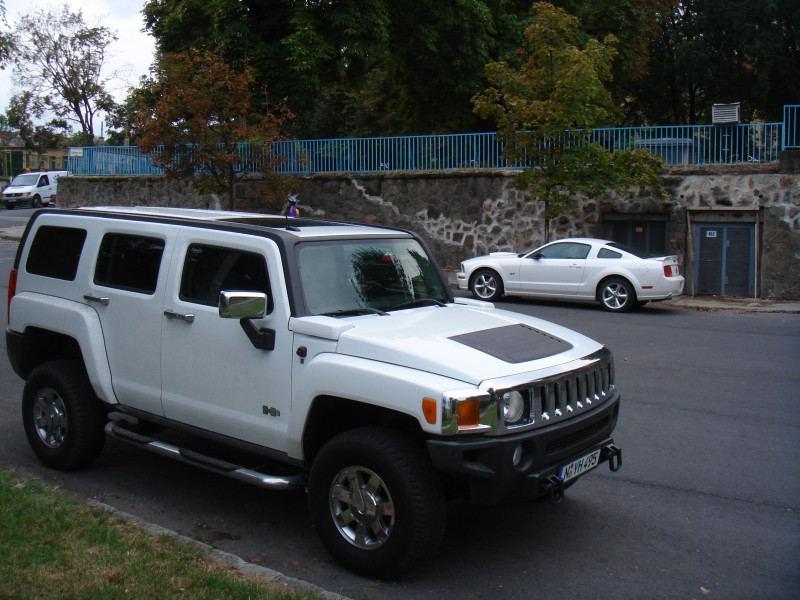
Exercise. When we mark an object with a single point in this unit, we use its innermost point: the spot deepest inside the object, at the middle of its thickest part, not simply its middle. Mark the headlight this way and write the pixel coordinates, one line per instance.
(513, 407)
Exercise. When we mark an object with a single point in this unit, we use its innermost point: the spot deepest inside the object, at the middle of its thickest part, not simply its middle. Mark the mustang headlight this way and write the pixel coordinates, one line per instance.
(513, 407)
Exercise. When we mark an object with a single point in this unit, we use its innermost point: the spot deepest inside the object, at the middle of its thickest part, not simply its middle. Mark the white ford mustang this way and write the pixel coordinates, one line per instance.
(578, 269)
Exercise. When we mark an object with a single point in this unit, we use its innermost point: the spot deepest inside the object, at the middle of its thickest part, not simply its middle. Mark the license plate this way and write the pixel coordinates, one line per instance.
(580, 466)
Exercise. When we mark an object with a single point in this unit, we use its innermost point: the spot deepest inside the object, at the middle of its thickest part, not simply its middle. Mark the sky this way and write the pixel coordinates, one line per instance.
(131, 54)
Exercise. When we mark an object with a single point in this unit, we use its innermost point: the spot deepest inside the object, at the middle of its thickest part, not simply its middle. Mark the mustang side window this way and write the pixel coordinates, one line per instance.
(606, 253)
(129, 262)
(566, 250)
(209, 270)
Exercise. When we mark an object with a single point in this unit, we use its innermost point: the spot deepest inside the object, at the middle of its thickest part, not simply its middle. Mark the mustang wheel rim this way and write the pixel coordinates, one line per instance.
(615, 296)
(362, 507)
(50, 418)
(485, 286)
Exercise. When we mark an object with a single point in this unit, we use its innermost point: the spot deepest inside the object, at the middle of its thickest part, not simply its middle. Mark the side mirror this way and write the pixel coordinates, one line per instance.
(242, 305)
(245, 306)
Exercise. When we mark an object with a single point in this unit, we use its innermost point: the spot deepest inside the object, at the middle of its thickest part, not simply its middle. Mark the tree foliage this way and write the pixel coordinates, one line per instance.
(546, 108)
(59, 60)
(709, 51)
(416, 62)
(383, 67)
(194, 117)
(6, 45)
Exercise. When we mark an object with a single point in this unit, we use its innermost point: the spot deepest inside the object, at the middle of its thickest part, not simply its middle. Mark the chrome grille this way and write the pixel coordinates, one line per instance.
(566, 395)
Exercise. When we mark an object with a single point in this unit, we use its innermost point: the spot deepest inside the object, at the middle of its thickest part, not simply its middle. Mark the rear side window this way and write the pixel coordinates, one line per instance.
(208, 270)
(129, 262)
(607, 253)
(55, 252)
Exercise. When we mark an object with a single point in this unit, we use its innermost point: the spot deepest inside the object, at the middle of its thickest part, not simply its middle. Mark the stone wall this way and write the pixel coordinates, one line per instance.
(464, 214)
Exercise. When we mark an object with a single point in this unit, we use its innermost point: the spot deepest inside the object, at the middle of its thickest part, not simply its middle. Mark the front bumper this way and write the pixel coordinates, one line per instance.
(525, 464)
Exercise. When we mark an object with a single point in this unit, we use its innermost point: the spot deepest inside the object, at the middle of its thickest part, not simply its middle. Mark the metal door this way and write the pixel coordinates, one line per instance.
(724, 259)
(646, 236)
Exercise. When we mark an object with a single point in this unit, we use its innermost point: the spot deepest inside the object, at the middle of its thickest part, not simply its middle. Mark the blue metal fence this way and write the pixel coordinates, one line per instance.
(678, 145)
(791, 126)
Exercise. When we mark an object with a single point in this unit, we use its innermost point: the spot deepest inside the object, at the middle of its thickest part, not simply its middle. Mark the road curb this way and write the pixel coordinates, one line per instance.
(276, 578)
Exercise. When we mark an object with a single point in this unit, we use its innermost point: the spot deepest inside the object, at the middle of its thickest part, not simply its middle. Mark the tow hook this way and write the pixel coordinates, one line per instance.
(554, 488)
(614, 457)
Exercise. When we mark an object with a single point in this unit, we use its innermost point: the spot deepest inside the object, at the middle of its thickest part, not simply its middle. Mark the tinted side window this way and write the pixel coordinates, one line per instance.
(566, 250)
(208, 270)
(606, 253)
(129, 262)
(55, 252)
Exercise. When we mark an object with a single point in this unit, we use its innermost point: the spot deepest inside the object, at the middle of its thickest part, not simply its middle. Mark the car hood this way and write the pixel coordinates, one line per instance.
(16, 189)
(470, 343)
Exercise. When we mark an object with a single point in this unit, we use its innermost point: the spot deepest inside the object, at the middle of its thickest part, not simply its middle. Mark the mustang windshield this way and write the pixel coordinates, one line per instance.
(354, 277)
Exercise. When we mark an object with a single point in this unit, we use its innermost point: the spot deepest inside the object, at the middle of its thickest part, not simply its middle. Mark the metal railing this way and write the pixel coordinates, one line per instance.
(699, 145)
(791, 126)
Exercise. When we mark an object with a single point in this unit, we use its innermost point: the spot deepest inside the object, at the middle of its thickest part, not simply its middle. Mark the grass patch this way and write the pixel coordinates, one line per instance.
(55, 547)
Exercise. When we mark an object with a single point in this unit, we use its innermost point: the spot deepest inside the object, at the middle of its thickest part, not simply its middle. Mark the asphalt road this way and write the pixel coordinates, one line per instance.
(707, 504)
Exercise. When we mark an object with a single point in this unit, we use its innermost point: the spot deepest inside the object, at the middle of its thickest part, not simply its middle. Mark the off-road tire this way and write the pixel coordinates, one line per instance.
(63, 418)
(401, 517)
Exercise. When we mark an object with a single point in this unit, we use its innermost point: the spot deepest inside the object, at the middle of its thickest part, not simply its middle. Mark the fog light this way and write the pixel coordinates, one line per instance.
(516, 458)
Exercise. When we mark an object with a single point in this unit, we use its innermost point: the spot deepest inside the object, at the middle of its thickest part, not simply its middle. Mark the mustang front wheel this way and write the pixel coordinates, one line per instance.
(486, 285)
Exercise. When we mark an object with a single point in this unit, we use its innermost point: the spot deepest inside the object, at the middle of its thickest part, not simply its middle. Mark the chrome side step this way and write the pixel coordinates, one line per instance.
(272, 482)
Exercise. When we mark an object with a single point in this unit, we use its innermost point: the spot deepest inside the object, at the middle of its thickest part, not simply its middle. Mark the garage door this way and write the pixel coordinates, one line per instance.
(725, 259)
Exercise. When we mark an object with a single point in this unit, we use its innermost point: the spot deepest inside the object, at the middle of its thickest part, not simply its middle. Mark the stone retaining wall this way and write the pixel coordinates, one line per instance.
(464, 214)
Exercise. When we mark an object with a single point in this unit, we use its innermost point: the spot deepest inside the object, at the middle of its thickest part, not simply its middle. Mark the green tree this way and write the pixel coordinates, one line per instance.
(545, 111)
(710, 51)
(59, 60)
(371, 67)
(6, 44)
(300, 52)
(436, 54)
(634, 23)
(195, 117)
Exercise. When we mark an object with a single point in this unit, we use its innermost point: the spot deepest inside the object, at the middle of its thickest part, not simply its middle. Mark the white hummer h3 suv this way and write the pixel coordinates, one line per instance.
(324, 355)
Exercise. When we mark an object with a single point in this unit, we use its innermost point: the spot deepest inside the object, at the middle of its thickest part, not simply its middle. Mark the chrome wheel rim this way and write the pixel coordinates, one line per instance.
(50, 418)
(615, 296)
(362, 507)
(485, 286)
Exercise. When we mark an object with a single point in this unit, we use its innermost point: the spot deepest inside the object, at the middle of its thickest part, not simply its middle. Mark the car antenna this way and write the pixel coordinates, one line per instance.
(289, 226)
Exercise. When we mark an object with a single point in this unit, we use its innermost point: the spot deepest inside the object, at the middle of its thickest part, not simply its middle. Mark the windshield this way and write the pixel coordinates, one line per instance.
(367, 276)
(26, 179)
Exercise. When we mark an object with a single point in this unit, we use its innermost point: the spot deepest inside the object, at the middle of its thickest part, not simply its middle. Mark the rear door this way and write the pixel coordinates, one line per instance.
(126, 288)
(213, 376)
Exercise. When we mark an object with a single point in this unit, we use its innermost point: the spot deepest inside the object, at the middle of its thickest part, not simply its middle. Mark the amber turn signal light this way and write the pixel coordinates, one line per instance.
(429, 410)
(468, 413)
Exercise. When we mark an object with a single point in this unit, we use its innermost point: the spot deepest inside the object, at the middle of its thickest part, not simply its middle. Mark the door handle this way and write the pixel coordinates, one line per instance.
(170, 314)
(101, 299)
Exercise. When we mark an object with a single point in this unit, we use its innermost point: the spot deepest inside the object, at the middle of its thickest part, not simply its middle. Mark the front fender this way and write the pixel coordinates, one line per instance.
(383, 385)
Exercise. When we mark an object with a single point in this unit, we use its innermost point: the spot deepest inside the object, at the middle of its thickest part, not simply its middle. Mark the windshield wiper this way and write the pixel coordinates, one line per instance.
(348, 312)
(418, 302)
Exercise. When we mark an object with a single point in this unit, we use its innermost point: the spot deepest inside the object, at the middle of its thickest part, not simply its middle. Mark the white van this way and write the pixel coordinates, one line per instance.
(36, 189)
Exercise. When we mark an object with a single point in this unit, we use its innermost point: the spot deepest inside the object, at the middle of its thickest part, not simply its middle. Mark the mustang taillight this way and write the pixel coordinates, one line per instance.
(667, 270)
(12, 289)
